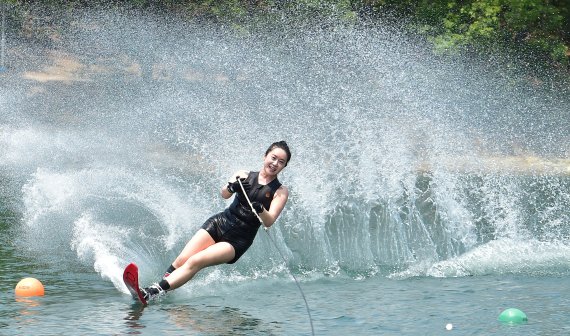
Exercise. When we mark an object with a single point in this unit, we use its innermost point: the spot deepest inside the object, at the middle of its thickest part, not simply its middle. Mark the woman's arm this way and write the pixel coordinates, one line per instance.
(277, 204)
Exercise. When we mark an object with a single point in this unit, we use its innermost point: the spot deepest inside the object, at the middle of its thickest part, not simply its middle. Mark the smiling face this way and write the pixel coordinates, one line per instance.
(274, 161)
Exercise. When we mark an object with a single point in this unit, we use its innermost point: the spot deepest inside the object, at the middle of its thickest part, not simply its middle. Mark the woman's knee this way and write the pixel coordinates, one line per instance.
(195, 262)
(179, 261)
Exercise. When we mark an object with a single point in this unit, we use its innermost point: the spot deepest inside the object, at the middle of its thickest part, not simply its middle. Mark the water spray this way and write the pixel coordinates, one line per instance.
(266, 229)
(3, 40)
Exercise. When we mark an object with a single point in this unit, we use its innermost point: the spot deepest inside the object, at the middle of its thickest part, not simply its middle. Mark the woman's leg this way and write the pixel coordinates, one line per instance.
(215, 254)
(200, 241)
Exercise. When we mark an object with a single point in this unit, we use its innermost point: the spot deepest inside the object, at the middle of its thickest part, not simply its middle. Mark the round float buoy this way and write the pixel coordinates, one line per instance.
(29, 287)
(512, 316)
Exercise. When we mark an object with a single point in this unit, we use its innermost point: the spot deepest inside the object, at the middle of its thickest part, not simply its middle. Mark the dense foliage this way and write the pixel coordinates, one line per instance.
(541, 27)
(537, 27)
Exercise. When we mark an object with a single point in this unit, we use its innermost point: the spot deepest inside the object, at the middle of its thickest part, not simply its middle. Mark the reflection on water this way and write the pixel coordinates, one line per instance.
(210, 320)
(134, 327)
(217, 320)
(28, 302)
(28, 310)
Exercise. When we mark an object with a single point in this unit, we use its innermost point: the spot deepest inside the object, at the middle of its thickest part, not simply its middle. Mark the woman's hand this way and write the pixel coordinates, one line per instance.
(258, 207)
(233, 185)
(237, 186)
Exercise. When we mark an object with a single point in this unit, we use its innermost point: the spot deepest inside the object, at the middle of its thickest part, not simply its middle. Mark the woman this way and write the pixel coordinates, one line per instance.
(226, 236)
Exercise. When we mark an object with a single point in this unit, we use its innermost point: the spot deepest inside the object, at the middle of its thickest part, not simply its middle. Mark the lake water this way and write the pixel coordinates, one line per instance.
(81, 302)
(424, 190)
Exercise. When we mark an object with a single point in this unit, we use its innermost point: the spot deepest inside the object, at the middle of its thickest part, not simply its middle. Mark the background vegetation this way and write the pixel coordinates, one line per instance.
(537, 28)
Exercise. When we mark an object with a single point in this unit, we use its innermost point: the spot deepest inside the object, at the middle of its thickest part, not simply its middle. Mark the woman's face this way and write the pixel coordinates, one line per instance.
(275, 161)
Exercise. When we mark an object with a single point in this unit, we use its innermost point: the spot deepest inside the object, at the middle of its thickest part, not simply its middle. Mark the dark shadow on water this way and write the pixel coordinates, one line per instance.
(211, 320)
(132, 319)
(217, 320)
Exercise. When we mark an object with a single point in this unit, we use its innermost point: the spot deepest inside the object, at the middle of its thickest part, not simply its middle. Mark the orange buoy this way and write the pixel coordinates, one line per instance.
(29, 287)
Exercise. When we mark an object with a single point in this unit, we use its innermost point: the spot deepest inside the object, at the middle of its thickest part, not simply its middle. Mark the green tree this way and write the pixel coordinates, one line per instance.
(539, 26)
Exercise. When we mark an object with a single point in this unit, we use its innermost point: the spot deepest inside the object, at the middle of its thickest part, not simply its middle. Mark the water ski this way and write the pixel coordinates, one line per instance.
(131, 279)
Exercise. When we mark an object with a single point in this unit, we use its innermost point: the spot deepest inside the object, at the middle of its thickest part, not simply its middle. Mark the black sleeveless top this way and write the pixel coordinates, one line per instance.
(262, 193)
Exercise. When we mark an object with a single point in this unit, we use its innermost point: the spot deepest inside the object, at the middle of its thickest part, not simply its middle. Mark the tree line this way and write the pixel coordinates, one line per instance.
(540, 28)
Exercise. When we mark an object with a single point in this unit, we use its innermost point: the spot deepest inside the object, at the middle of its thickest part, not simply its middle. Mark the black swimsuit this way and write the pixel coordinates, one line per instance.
(238, 225)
